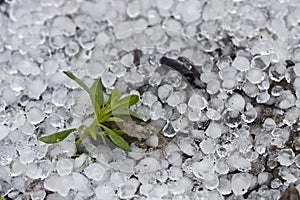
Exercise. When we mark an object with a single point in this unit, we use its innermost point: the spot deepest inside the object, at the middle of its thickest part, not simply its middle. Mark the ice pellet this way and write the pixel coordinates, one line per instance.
(64, 167)
(214, 130)
(239, 184)
(297, 69)
(133, 9)
(105, 191)
(210, 181)
(241, 63)
(60, 184)
(3, 131)
(35, 115)
(147, 165)
(80, 181)
(286, 157)
(94, 171)
(128, 188)
(164, 92)
(27, 67)
(197, 101)
(206, 166)
(236, 102)
(254, 75)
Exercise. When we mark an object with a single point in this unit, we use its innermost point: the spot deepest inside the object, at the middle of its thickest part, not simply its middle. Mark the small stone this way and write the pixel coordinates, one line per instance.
(152, 141)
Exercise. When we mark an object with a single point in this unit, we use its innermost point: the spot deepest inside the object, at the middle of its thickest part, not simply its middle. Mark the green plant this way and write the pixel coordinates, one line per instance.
(115, 107)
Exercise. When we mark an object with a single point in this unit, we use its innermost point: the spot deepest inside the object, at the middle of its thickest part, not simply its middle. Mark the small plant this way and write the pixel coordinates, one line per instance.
(110, 112)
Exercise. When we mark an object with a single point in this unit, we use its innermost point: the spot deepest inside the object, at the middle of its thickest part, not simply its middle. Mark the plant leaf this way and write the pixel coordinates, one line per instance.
(137, 116)
(124, 103)
(114, 96)
(102, 134)
(114, 119)
(93, 134)
(123, 132)
(57, 137)
(78, 81)
(97, 96)
(129, 112)
(116, 139)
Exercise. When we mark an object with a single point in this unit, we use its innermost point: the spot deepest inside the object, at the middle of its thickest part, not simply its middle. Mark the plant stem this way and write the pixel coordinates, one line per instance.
(82, 137)
(85, 133)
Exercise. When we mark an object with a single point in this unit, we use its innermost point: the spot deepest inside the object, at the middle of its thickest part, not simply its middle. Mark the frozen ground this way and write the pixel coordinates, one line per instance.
(234, 134)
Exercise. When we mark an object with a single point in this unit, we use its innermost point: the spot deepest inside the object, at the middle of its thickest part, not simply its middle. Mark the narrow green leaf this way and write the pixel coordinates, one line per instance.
(114, 96)
(124, 103)
(97, 96)
(137, 116)
(78, 81)
(57, 137)
(102, 134)
(116, 139)
(123, 132)
(129, 112)
(81, 128)
(114, 119)
(93, 134)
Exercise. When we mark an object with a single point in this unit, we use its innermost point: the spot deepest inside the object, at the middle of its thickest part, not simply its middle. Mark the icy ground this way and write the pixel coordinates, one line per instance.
(236, 136)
